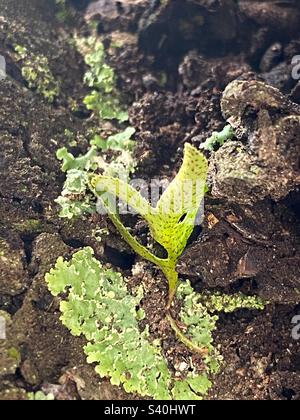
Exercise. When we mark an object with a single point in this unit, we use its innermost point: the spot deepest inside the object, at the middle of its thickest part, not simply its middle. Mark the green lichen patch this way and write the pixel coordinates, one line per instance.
(77, 199)
(97, 304)
(104, 99)
(220, 302)
(100, 307)
(120, 141)
(28, 226)
(113, 154)
(217, 139)
(37, 73)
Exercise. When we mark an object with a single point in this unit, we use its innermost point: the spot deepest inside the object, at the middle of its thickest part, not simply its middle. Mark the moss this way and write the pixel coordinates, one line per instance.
(29, 226)
(14, 354)
(220, 302)
(63, 14)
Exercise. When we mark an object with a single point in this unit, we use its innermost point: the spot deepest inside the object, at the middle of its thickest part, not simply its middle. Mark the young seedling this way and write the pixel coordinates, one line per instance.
(171, 222)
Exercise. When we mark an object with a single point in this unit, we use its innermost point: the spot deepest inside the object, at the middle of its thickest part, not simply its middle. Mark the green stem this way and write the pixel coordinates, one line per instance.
(186, 341)
(169, 270)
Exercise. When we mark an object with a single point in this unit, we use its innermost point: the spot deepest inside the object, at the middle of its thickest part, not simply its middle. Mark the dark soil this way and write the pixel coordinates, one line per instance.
(250, 236)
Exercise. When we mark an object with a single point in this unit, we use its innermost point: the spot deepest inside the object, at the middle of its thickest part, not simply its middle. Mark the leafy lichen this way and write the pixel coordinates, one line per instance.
(100, 307)
(218, 138)
(97, 304)
(37, 73)
(104, 98)
(112, 155)
(29, 226)
(76, 198)
(220, 302)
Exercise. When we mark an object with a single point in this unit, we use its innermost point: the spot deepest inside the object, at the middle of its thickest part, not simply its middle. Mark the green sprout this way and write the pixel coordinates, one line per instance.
(171, 222)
